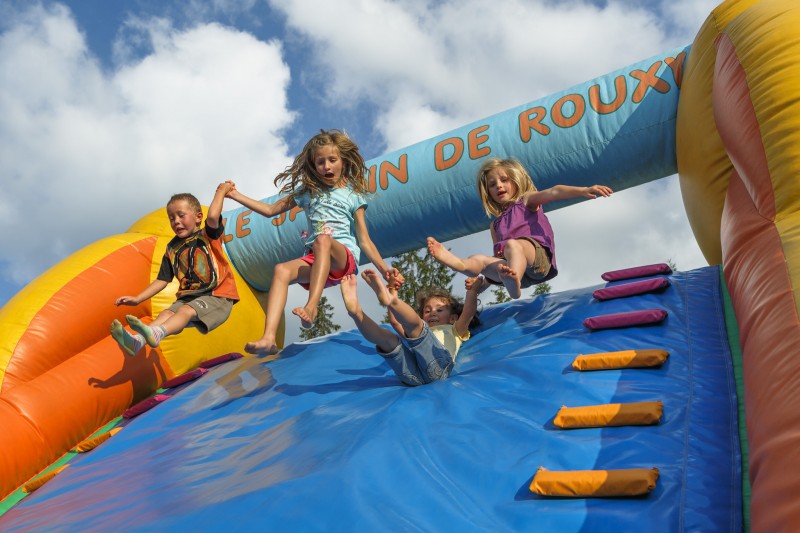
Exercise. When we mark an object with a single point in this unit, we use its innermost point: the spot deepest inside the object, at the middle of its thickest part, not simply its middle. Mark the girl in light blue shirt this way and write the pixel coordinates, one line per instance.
(328, 181)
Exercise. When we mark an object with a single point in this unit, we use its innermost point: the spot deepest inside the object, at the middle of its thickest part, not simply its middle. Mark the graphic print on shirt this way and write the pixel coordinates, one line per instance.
(193, 265)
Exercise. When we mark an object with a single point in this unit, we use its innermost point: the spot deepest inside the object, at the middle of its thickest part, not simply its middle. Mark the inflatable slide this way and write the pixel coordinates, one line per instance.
(723, 112)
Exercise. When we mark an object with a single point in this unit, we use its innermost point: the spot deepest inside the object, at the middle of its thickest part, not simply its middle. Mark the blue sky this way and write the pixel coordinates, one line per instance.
(109, 107)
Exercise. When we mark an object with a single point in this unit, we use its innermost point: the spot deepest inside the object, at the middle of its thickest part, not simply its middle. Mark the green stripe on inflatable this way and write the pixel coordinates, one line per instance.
(732, 328)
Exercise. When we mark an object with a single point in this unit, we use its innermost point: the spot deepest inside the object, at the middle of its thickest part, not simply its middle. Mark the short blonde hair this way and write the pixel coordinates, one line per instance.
(190, 199)
(515, 171)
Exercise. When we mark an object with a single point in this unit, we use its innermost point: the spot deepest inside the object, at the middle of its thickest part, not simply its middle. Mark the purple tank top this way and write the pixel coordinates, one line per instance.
(519, 221)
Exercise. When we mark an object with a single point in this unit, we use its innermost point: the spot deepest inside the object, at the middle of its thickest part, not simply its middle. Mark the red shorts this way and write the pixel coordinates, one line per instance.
(334, 278)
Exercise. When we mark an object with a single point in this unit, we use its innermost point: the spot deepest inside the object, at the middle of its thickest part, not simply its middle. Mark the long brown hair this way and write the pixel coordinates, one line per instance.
(455, 303)
(302, 173)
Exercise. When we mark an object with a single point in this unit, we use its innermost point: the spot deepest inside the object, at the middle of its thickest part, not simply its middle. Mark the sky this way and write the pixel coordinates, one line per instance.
(107, 108)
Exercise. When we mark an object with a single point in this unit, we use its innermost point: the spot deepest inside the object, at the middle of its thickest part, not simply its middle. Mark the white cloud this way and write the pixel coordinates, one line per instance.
(461, 60)
(86, 152)
(431, 67)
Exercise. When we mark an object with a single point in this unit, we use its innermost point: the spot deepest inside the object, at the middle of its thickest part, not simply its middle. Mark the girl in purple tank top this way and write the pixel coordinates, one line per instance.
(524, 246)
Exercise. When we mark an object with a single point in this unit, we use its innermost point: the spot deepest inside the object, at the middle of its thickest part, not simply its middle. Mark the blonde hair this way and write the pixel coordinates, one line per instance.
(190, 199)
(516, 173)
(302, 173)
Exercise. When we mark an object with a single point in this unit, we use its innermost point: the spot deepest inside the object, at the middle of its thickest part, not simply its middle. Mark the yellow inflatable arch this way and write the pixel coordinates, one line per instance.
(738, 140)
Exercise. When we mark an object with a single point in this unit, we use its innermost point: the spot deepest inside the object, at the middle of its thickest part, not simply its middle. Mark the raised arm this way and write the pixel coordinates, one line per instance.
(564, 192)
(215, 209)
(392, 286)
(262, 208)
(474, 287)
(371, 251)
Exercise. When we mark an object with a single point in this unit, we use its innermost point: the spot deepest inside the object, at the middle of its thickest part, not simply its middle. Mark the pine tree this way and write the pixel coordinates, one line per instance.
(500, 295)
(541, 288)
(323, 325)
(672, 265)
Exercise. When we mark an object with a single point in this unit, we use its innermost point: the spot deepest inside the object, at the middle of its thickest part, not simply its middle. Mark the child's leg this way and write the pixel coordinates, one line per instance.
(408, 318)
(520, 254)
(131, 344)
(471, 266)
(174, 323)
(329, 256)
(152, 335)
(384, 340)
(284, 274)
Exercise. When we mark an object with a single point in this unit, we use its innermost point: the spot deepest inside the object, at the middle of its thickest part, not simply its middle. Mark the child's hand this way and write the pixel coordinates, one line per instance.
(478, 284)
(597, 190)
(394, 277)
(226, 187)
(126, 300)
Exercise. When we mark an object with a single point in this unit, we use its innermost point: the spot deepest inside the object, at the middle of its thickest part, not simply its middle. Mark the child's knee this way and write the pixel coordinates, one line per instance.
(322, 243)
(282, 272)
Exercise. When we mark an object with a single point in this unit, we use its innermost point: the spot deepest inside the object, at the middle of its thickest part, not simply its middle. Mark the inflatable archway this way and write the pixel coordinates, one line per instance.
(739, 162)
(728, 101)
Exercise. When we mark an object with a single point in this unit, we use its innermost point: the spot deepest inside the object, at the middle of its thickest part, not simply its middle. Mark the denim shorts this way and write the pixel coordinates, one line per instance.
(421, 360)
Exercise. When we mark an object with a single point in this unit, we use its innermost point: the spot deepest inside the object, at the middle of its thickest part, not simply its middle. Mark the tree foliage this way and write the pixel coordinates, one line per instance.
(421, 272)
(672, 265)
(500, 295)
(541, 288)
(324, 324)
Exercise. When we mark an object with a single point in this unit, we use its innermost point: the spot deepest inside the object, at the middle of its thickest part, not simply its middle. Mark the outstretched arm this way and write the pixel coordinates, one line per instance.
(474, 287)
(564, 192)
(151, 290)
(371, 251)
(262, 208)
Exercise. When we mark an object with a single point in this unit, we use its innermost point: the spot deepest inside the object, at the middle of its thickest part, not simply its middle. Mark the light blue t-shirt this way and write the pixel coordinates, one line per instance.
(331, 213)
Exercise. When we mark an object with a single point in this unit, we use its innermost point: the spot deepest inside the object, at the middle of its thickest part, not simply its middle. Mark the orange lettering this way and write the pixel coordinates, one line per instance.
(372, 186)
(531, 119)
(648, 79)
(601, 107)
(557, 111)
(439, 158)
(475, 140)
(293, 213)
(225, 237)
(280, 219)
(676, 64)
(241, 223)
(399, 173)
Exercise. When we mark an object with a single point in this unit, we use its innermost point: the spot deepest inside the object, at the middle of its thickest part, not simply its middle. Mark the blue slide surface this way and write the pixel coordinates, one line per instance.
(326, 437)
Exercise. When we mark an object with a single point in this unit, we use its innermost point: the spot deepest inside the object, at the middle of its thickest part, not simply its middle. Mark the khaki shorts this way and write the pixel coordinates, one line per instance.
(536, 273)
(211, 311)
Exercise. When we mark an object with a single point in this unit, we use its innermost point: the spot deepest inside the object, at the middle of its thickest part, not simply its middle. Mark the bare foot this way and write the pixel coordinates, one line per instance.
(375, 283)
(444, 256)
(510, 280)
(350, 294)
(262, 346)
(307, 316)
